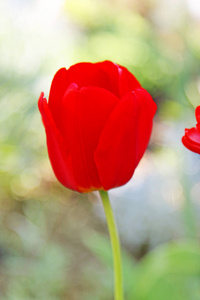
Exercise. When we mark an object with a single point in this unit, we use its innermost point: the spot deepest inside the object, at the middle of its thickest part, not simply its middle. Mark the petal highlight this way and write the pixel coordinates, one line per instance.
(58, 88)
(127, 82)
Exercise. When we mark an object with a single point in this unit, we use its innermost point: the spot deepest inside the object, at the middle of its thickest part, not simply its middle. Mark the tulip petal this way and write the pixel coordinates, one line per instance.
(127, 82)
(86, 112)
(88, 74)
(57, 148)
(124, 139)
(113, 75)
(147, 110)
(121, 81)
(197, 114)
(58, 88)
(191, 139)
(69, 129)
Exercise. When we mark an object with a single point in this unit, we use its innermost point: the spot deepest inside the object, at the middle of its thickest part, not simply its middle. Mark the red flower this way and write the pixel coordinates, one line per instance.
(191, 139)
(98, 123)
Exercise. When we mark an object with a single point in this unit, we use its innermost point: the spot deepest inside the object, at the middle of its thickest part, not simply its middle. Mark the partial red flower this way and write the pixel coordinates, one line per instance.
(191, 139)
(98, 122)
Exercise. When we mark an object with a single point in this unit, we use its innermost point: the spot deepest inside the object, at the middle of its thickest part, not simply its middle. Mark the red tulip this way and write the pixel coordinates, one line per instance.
(98, 123)
(191, 139)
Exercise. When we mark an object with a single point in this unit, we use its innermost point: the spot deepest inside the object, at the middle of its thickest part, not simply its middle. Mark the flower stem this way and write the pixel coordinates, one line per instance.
(115, 245)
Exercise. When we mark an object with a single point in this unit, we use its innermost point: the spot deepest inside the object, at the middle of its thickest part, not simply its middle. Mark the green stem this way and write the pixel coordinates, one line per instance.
(115, 245)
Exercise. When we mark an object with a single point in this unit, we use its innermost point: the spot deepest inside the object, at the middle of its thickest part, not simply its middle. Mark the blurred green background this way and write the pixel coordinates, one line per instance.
(54, 242)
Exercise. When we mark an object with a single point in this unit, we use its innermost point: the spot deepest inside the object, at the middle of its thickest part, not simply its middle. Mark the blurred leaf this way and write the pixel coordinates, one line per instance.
(42, 277)
(100, 246)
(171, 110)
(170, 272)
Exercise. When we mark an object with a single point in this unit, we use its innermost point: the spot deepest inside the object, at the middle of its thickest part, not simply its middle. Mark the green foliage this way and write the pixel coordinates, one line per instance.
(41, 277)
(100, 246)
(172, 271)
(168, 272)
(47, 251)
